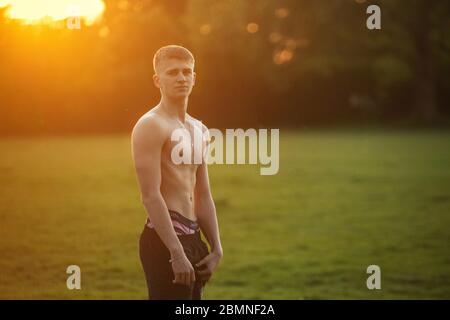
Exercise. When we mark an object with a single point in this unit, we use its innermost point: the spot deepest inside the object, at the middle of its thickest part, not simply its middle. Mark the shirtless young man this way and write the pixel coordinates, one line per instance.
(177, 197)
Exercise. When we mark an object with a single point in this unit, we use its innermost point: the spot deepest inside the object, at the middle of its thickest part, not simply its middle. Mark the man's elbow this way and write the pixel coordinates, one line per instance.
(151, 199)
(206, 202)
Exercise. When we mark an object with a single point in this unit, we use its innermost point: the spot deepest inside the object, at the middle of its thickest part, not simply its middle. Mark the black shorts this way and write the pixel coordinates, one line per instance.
(158, 270)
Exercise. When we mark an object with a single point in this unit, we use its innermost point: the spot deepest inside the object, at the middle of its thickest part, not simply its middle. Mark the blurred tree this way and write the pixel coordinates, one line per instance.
(418, 31)
(259, 63)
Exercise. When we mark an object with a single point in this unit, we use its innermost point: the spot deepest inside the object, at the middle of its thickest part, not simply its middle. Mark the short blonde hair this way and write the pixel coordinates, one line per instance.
(172, 52)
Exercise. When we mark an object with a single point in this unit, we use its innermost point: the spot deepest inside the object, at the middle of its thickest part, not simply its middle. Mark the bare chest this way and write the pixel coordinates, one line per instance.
(186, 145)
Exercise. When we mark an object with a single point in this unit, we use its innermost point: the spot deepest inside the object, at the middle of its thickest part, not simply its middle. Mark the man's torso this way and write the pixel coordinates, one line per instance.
(178, 179)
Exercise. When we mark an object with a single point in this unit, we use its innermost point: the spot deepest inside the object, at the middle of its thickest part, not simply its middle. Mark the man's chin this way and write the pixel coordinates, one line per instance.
(179, 96)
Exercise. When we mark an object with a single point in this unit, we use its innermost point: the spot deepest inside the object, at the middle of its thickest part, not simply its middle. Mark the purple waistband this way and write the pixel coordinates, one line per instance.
(181, 224)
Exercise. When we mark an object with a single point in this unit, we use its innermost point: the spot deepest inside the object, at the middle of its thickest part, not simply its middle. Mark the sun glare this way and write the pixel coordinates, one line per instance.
(40, 11)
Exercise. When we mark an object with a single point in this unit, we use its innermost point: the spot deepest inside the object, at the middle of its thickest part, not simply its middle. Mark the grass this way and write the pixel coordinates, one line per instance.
(342, 200)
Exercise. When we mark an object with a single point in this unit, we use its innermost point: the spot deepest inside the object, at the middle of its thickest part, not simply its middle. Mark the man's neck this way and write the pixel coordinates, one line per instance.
(175, 108)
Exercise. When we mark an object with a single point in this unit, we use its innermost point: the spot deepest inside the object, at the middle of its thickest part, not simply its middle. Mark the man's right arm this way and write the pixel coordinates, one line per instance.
(147, 141)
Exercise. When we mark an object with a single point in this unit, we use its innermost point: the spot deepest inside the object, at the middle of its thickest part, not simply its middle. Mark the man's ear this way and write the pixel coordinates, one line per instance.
(193, 81)
(156, 81)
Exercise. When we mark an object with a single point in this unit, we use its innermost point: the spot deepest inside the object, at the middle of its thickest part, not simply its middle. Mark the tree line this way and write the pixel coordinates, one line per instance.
(259, 63)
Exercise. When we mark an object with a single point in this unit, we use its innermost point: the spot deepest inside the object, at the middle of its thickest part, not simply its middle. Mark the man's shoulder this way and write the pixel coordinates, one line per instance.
(197, 123)
(151, 122)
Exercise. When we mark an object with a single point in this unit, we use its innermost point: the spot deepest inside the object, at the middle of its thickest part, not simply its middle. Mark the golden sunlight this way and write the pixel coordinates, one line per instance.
(41, 11)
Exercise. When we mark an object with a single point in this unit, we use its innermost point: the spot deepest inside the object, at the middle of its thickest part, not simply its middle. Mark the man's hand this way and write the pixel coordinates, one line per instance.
(183, 270)
(207, 265)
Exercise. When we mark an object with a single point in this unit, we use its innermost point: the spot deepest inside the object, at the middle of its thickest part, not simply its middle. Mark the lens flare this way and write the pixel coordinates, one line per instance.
(41, 11)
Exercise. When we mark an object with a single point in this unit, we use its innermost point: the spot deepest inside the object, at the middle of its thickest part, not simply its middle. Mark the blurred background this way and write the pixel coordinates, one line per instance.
(259, 63)
(364, 156)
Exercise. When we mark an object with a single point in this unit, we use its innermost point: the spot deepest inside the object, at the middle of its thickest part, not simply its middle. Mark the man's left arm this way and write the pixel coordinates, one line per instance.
(207, 218)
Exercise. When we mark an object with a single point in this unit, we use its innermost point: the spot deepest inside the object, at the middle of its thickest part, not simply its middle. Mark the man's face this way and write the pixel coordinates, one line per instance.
(175, 78)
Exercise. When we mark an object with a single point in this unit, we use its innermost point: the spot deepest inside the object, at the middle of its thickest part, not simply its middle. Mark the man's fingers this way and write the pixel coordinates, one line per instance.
(204, 272)
(203, 261)
(182, 281)
(185, 278)
(177, 278)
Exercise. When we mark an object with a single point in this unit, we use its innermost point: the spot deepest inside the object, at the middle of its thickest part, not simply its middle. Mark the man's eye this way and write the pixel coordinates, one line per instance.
(187, 72)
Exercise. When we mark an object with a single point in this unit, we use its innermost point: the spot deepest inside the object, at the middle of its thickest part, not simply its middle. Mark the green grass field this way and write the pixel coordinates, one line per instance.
(342, 200)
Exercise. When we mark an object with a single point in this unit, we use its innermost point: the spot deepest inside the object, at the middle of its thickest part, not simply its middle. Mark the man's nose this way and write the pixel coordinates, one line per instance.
(181, 77)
